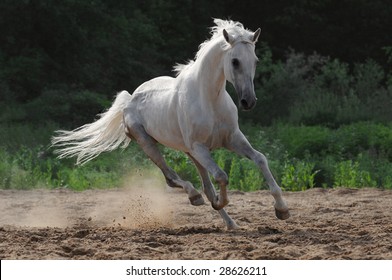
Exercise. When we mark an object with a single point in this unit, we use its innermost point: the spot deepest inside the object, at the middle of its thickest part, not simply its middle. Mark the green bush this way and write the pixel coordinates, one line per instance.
(182, 165)
(316, 90)
(6, 167)
(302, 140)
(13, 136)
(349, 175)
(244, 175)
(19, 171)
(298, 176)
(354, 139)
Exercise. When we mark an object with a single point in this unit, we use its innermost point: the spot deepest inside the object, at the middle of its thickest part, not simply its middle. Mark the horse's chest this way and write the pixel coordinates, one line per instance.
(208, 125)
(220, 135)
(212, 135)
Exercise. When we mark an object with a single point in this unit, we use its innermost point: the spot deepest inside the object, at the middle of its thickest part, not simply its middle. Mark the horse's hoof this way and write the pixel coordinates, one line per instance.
(197, 200)
(282, 214)
(232, 226)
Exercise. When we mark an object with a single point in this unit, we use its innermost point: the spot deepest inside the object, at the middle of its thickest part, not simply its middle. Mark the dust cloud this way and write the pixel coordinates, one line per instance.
(141, 202)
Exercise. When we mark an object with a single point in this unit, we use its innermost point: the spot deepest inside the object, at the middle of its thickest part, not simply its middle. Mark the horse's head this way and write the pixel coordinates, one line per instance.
(240, 65)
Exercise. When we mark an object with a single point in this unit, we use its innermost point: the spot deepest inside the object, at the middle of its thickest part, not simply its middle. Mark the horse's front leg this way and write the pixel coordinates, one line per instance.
(202, 155)
(240, 145)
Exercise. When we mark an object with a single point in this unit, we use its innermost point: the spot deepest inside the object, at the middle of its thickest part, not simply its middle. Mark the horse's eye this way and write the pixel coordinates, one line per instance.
(235, 62)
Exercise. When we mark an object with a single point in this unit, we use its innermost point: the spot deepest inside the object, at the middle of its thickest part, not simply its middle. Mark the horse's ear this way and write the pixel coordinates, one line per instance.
(228, 37)
(256, 35)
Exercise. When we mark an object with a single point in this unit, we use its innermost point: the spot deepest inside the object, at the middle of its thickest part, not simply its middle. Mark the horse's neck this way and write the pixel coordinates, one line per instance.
(210, 74)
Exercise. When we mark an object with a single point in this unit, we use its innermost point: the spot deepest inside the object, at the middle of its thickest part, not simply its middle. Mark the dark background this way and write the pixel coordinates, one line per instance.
(58, 56)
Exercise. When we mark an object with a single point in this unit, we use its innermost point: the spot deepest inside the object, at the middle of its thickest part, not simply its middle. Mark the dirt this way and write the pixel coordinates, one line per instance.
(151, 221)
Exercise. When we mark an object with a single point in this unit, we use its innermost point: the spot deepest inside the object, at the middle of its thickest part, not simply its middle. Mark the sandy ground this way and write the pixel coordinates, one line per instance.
(151, 221)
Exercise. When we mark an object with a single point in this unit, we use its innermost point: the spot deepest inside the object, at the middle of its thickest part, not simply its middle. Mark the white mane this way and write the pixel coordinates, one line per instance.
(234, 28)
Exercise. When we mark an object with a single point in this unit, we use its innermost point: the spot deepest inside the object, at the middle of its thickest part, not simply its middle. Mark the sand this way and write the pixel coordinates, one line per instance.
(151, 221)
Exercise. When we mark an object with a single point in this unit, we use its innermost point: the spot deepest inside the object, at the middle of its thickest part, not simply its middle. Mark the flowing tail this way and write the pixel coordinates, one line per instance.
(88, 141)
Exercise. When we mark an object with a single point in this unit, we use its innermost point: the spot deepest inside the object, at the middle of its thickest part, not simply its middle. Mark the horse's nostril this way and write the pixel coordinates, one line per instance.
(244, 103)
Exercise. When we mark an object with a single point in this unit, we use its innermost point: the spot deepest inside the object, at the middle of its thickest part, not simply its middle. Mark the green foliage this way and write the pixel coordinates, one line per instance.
(363, 148)
(301, 140)
(93, 45)
(15, 136)
(235, 174)
(181, 164)
(357, 155)
(244, 175)
(252, 179)
(298, 176)
(6, 167)
(316, 90)
(26, 164)
(21, 171)
(348, 174)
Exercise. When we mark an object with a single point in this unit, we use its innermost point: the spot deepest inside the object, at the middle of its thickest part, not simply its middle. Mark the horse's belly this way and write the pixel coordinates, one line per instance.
(167, 136)
(164, 128)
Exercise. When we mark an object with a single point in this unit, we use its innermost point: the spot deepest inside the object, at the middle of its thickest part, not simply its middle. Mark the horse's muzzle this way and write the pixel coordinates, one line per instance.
(246, 97)
(247, 103)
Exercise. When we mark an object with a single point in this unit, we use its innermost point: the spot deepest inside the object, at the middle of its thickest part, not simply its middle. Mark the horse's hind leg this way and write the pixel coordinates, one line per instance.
(203, 156)
(209, 190)
(149, 146)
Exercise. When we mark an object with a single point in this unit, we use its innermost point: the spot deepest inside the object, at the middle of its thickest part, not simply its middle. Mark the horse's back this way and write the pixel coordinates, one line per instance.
(153, 93)
(157, 84)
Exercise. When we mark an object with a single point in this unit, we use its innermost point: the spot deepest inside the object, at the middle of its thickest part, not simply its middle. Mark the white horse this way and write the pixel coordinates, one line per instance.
(192, 113)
